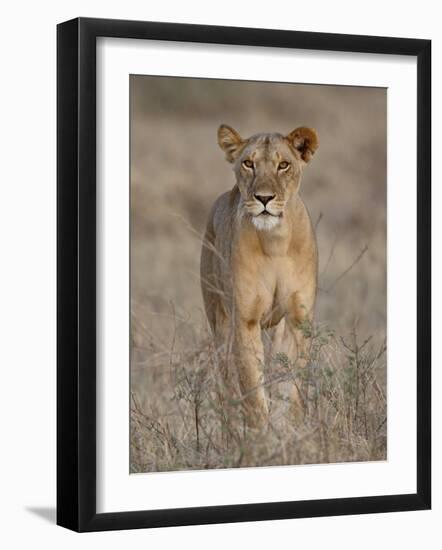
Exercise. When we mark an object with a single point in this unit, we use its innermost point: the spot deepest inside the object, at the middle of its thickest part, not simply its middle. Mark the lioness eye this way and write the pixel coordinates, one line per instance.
(283, 165)
(248, 163)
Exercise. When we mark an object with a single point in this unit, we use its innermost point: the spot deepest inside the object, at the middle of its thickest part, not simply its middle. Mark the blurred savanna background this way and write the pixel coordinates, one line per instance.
(178, 420)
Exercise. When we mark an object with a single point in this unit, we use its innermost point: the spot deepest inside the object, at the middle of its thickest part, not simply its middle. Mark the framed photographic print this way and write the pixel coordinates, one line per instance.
(243, 274)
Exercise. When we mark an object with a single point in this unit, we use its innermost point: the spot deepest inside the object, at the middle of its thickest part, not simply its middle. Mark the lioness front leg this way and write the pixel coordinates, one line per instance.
(299, 317)
(249, 358)
(223, 344)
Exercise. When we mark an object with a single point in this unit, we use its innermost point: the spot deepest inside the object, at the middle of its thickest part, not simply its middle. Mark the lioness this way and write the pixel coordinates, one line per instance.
(259, 257)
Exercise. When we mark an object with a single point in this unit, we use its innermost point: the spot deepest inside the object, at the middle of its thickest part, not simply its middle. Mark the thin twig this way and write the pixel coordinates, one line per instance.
(349, 268)
(330, 256)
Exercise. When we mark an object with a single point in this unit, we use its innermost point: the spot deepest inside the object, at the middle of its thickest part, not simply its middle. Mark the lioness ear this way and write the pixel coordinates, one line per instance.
(230, 142)
(304, 140)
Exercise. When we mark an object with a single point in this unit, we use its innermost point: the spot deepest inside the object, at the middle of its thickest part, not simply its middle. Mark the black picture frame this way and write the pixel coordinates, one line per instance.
(77, 287)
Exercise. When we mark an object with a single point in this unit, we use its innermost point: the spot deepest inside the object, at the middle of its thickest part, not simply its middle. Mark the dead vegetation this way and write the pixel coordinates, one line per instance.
(344, 420)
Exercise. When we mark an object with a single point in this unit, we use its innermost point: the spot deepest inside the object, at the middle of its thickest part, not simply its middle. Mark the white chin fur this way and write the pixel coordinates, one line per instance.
(265, 223)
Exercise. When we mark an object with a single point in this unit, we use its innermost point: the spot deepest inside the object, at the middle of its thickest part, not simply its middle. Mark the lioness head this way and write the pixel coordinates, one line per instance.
(268, 169)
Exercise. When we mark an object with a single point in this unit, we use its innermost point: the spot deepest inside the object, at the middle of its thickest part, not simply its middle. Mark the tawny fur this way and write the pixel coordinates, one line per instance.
(259, 269)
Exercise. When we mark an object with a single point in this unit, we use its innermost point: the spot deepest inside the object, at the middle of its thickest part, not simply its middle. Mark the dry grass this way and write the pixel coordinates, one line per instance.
(344, 420)
(179, 419)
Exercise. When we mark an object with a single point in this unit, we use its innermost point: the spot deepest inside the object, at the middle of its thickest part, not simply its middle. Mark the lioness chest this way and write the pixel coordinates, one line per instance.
(266, 283)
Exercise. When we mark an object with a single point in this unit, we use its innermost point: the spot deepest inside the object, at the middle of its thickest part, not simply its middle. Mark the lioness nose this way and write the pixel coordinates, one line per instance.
(264, 198)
